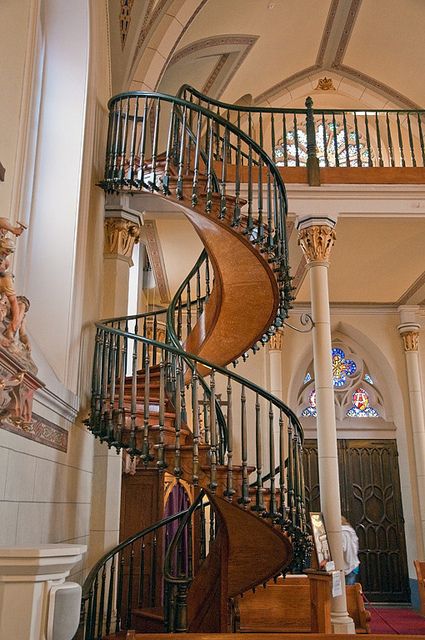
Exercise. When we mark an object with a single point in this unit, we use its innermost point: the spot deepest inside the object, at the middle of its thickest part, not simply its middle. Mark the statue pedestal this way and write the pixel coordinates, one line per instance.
(26, 577)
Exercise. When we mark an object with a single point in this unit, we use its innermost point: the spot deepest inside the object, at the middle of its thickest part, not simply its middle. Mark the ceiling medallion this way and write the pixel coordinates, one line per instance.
(125, 19)
(325, 84)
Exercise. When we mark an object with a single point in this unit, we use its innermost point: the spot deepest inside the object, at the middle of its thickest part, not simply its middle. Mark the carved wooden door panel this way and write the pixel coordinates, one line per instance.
(371, 500)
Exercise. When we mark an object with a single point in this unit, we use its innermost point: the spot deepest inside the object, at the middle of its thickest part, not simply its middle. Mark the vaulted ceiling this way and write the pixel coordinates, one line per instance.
(277, 52)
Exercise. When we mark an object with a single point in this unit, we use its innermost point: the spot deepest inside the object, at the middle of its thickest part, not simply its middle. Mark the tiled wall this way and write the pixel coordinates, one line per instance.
(45, 495)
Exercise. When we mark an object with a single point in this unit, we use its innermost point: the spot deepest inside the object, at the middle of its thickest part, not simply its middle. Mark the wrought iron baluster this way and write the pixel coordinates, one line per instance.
(101, 604)
(346, 141)
(195, 180)
(259, 492)
(188, 309)
(230, 491)
(285, 141)
(223, 182)
(250, 222)
(208, 203)
(178, 419)
(390, 142)
(411, 144)
(325, 142)
(130, 588)
(378, 140)
(169, 151)
(146, 409)
(421, 138)
(356, 133)
(123, 148)
(296, 142)
(203, 534)
(94, 607)
(110, 596)
(154, 560)
(199, 308)
(179, 185)
(400, 140)
(161, 464)
(104, 391)
(143, 141)
(142, 573)
(207, 278)
(195, 423)
(244, 499)
(369, 149)
(120, 592)
(213, 434)
(180, 318)
(290, 473)
(133, 404)
(282, 464)
(236, 208)
(273, 138)
(273, 509)
(132, 154)
(335, 139)
(269, 212)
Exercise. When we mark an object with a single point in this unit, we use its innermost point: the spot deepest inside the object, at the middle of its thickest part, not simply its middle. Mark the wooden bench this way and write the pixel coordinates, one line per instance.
(287, 606)
(420, 574)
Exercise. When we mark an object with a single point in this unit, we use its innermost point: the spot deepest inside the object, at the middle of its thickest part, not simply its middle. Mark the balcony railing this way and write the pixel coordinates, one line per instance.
(315, 138)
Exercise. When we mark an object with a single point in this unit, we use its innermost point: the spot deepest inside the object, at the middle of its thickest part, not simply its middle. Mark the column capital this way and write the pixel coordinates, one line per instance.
(121, 234)
(316, 237)
(276, 341)
(409, 331)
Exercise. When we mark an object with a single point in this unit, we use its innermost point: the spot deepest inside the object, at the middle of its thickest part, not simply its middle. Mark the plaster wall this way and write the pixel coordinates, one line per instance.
(46, 494)
(373, 334)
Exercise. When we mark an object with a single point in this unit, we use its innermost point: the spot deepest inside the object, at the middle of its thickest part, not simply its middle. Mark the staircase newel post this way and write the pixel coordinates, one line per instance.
(181, 609)
(313, 169)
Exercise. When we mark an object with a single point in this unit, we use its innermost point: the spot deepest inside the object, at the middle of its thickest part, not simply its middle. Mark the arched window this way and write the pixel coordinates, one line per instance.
(356, 394)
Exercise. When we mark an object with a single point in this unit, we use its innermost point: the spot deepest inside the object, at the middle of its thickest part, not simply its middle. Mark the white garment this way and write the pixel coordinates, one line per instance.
(350, 548)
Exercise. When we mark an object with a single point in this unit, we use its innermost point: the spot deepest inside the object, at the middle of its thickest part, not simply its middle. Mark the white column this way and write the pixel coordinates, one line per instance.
(409, 331)
(316, 237)
(26, 577)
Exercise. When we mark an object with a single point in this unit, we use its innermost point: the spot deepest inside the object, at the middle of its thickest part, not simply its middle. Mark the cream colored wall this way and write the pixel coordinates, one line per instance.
(45, 494)
(13, 49)
(373, 333)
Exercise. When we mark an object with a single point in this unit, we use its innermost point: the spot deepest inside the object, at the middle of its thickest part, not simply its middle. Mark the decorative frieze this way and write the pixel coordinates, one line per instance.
(316, 242)
(120, 236)
(125, 19)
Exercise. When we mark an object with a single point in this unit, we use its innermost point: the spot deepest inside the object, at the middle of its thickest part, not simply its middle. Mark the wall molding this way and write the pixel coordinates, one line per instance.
(41, 431)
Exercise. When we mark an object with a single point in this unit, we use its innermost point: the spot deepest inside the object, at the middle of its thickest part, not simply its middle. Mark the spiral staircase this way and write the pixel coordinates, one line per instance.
(162, 391)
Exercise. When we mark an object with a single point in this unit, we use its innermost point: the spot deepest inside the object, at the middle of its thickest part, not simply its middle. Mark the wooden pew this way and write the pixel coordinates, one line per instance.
(297, 604)
(420, 573)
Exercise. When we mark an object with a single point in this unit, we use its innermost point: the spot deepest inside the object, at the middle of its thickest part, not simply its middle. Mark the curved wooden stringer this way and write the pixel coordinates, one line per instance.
(230, 568)
(161, 390)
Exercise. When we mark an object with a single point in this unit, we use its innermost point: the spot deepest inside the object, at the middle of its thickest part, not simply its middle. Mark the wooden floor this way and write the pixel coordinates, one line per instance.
(252, 636)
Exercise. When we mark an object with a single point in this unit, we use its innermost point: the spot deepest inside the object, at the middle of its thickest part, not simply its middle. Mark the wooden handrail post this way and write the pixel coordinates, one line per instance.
(313, 170)
(320, 600)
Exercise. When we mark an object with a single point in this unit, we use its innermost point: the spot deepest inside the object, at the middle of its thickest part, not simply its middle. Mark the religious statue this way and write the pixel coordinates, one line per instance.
(13, 308)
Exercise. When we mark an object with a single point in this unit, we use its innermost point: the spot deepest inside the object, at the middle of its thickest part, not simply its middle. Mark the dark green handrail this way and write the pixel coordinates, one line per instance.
(361, 137)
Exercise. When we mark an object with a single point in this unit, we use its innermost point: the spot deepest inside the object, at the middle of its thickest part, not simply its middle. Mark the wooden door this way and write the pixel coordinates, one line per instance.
(371, 501)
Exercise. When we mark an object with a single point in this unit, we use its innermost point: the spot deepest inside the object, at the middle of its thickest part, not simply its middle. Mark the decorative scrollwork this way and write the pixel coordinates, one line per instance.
(306, 321)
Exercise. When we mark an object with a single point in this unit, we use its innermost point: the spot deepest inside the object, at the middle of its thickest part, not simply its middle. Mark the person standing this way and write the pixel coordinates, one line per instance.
(350, 548)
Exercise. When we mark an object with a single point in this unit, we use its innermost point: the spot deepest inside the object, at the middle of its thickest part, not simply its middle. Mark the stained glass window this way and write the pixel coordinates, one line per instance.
(336, 145)
(361, 407)
(341, 367)
(307, 378)
(311, 409)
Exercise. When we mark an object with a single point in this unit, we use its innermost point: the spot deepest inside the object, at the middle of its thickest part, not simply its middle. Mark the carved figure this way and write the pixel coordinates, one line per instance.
(13, 308)
(7, 246)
